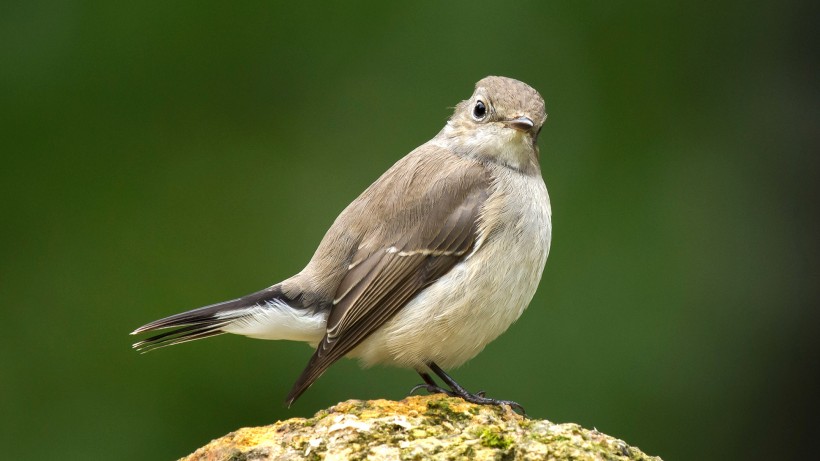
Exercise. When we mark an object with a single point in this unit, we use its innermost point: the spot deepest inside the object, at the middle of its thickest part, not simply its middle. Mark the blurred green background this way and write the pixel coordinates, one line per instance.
(158, 156)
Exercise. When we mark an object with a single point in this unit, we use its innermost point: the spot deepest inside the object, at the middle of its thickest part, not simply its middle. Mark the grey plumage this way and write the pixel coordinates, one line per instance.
(403, 275)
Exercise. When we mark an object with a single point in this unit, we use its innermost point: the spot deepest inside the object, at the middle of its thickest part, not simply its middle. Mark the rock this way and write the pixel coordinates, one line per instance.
(416, 428)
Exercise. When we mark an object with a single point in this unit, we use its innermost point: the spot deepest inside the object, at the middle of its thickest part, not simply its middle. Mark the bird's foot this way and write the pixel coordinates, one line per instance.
(456, 390)
(432, 389)
(479, 399)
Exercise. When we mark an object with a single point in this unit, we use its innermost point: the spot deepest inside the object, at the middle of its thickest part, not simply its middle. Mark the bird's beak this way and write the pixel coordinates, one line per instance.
(521, 123)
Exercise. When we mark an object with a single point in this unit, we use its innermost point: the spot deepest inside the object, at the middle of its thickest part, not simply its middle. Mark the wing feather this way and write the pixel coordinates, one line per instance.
(387, 274)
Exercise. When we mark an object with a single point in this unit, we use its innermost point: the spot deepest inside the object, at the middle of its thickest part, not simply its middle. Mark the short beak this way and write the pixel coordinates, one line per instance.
(521, 123)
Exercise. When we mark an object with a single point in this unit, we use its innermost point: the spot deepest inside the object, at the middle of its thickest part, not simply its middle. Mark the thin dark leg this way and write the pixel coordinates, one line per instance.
(458, 391)
(430, 386)
(428, 379)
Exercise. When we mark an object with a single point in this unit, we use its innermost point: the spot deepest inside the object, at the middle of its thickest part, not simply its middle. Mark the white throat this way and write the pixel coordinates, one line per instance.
(493, 142)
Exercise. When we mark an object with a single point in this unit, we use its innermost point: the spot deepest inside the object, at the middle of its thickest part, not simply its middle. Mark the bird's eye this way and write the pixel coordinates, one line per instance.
(479, 111)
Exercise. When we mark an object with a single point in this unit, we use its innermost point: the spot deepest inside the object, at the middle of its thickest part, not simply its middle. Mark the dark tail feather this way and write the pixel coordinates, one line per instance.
(179, 336)
(200, 323)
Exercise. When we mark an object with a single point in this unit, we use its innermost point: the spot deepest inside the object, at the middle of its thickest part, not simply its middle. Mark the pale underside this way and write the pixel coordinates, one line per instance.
(446, 323)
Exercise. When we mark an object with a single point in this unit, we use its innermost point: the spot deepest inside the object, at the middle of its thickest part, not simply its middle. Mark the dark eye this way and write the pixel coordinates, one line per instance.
(480, 110)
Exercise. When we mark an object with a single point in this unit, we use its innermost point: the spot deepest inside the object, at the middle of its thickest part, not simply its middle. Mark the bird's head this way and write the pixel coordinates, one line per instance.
(499, 123)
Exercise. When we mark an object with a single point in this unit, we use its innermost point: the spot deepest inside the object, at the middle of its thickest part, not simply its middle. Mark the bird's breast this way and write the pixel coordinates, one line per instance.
(453, 319)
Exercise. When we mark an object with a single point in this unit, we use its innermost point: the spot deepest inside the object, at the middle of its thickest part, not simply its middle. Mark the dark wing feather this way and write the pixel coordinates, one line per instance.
(384, 279)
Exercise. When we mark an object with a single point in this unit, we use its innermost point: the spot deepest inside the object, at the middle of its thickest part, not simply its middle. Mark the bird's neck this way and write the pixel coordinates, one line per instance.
(491, 143)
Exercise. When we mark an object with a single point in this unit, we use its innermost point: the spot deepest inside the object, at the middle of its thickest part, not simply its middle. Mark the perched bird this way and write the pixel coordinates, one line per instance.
(433, 261)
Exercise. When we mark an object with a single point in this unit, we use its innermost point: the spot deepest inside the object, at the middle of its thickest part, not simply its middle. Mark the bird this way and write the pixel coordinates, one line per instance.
(433, 261)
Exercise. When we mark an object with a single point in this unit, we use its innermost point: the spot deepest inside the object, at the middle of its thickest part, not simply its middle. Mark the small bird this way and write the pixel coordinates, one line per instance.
(429, 264)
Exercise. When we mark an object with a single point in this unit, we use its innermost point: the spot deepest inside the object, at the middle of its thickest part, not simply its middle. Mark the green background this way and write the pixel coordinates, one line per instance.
(158, 156)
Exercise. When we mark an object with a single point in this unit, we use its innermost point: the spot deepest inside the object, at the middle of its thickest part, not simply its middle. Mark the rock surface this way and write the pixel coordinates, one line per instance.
(416, 428)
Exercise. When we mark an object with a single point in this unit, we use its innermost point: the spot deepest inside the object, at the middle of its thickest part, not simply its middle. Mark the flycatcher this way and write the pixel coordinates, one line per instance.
(429, 264)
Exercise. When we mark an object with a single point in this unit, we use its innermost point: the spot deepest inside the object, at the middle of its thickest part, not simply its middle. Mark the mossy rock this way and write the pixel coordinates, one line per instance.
(417, 428)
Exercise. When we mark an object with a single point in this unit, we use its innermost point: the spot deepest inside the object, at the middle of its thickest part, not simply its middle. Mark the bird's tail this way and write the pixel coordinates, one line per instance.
(210, 320)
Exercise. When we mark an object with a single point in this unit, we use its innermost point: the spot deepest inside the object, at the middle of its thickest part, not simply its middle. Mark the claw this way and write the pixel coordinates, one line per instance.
(417, 387)
(432, 389)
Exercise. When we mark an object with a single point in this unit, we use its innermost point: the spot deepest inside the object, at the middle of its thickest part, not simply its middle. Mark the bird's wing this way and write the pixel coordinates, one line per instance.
(387, 271)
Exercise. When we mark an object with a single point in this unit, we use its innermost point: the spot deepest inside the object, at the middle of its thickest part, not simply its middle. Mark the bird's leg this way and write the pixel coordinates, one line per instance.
(458, 391)
(430, 386)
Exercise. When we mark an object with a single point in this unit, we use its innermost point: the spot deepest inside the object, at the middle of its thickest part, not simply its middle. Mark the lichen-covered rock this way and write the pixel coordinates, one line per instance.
(417, 428)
